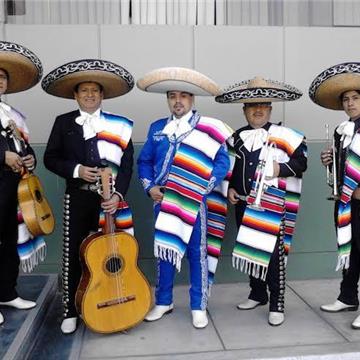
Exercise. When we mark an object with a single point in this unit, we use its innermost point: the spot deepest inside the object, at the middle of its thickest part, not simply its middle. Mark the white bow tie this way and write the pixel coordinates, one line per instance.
(254, 139)
(176, 128)
(4, 114)
(346, 130)
(91, 124)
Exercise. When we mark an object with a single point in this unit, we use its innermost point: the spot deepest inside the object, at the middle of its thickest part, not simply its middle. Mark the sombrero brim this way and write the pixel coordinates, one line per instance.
(239, 93)
(114, 79)
(328, 86)
(22, 65)
(168, 79)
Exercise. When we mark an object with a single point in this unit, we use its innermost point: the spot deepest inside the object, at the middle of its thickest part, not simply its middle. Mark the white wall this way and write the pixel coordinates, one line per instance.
(227, 54)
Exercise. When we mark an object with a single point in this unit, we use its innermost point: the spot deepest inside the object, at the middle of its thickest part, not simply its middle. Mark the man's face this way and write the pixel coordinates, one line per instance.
(257, 114)
(89, 96)
(351, 104)
(180, 102)
(3, 81)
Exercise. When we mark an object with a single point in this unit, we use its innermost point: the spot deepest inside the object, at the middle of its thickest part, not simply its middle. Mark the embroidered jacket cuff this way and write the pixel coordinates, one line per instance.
(211, 185)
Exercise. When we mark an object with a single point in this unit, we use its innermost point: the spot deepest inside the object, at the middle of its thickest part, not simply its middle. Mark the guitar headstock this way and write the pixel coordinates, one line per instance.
(106, 188)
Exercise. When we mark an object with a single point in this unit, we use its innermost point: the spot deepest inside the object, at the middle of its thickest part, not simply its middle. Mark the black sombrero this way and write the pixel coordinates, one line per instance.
(259, 90)
(114, 79)
(22, 65)
(328, 86)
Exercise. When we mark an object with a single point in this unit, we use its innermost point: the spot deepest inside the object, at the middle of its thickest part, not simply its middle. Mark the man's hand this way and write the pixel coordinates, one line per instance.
(156, 193)
(233, 196)
(29, 161)
(326, 157)
(111, 205)
(89, 174)
(13, 160)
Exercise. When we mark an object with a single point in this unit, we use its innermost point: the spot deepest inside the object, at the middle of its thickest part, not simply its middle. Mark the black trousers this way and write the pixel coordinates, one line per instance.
(81, 216)
(276, 274)
(349, 284)
(9, 258)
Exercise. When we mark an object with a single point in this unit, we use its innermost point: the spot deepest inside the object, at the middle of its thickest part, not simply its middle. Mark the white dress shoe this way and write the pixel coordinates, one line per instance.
(338, 306)
(1, 318)
(276, 318)
(356, 323)
(199, 318)
(248, 304)
(19, 303)
(69, 325)
(158, 311)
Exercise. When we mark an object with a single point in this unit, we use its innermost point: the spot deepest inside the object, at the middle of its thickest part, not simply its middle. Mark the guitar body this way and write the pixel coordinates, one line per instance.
(113, 294)
(35, 209)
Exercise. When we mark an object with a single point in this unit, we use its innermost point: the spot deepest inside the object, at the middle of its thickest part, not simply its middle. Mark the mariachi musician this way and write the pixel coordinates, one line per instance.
(80, 143)
(20, 69)
(338, 88)
(270, 160)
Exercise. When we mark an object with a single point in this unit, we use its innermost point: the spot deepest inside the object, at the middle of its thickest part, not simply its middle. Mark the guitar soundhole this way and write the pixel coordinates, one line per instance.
(38, 195)
(113, 265)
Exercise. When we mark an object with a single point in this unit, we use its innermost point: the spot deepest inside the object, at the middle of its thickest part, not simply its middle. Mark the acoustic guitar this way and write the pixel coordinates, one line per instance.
(33, 204)
(113, 294)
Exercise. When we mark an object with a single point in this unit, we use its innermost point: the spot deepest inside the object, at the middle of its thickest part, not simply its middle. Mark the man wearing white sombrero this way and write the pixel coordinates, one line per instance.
(182, 167)
(20, 69)
(338, 88)
(80, 143)
(270, 160)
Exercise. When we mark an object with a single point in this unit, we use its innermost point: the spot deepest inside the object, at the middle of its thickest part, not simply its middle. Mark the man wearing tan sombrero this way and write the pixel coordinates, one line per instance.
(182, 167)
(20, 69)
(270, 160)
(80, 143)
(338, 88)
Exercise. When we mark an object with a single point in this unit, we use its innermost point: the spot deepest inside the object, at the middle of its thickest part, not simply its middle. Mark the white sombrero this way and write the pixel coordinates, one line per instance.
(22, 65)
(328, 86)
(259, 90)
(114, 79)
(178, 79)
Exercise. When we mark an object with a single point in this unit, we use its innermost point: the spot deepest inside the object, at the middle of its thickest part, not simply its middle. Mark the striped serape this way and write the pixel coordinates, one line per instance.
(351, 181)
(187, 184)
(122, 218)
(112, 142)
(31, 250)
(260, 228)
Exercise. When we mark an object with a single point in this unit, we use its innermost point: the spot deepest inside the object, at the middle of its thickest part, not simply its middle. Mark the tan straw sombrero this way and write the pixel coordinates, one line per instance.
(114, 79)
(178, 79)
(258, 90)
(22, 65)
(328, 86)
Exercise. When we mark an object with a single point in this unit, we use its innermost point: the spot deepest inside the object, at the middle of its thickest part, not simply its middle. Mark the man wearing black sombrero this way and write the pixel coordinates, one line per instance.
(182, 167)
(80, 143)
(20, 69)
(338, 88)
(270, 160)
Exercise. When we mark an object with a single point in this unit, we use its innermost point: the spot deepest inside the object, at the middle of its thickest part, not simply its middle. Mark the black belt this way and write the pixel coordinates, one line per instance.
(88, 187)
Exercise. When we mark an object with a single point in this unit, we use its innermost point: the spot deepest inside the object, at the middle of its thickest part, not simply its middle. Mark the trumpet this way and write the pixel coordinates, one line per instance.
(331, 176)
(260, 185)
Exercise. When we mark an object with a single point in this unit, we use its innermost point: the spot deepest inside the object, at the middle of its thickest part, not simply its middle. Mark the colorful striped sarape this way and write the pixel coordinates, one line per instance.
(31, 250)
(351, 181)
(112, 142)
(279, 204)
(111, 145)
(122, 218)
(189, 180)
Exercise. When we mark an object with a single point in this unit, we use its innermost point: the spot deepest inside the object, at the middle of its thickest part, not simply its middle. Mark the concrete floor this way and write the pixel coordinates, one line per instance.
(307, 332)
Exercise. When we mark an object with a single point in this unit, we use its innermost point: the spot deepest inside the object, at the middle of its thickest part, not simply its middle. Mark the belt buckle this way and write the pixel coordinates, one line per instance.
(93, 187)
